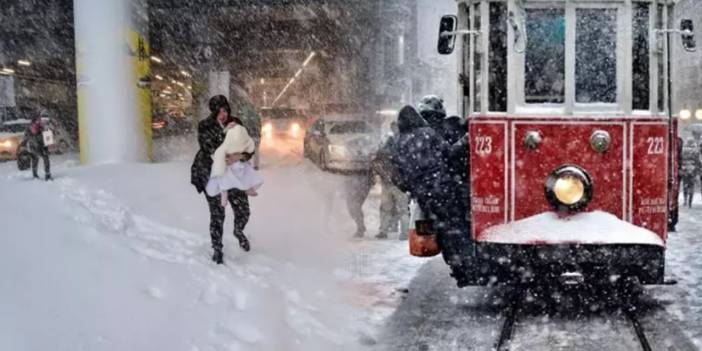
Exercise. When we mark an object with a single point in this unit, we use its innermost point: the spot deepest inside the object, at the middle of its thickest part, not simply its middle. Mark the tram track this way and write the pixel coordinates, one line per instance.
(623, 307)
(435, 315)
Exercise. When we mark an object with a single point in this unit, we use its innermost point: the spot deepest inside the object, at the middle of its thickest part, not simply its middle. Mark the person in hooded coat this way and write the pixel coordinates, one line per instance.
(210, 135)
(422, 156)
(431, 108)
(394, 202)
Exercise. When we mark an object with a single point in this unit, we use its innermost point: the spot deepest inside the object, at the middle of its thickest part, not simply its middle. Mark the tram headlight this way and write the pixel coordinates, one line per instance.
(568, 188)
(698, 114)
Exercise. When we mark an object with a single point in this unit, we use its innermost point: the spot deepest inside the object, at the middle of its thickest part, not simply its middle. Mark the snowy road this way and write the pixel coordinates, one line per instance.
(438, 316)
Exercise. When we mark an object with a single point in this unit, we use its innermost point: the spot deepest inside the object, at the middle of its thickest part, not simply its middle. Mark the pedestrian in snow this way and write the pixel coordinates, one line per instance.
(394, 203)
(674, 214)
(453, 129)
(691, 167)
(211, 134)
(357, 187)
(239, 175)
(422, 156)
(431, 108)
(34, 143)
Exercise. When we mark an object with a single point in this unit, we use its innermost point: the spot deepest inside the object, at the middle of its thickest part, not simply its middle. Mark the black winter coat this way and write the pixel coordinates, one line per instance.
(210, 135)
(423, 161)
(421, 151)
(385, 163)
(34, 143)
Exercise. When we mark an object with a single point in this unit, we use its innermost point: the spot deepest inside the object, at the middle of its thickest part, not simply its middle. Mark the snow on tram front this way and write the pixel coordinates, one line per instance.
(571, 164)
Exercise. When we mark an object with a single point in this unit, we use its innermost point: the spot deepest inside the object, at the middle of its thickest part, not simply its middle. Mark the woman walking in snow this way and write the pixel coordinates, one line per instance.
(211, 133)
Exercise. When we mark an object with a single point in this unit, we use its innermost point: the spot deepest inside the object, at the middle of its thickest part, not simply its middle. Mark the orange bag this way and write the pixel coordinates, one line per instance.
(422, 243)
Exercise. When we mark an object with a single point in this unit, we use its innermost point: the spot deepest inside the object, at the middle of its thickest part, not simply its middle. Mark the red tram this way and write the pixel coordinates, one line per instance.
(571, 157)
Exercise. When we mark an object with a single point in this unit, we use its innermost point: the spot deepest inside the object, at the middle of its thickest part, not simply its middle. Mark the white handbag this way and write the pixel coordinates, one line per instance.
(48, 137)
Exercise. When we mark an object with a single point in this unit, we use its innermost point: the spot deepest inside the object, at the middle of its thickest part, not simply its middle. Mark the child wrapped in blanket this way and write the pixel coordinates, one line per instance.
(239, 175)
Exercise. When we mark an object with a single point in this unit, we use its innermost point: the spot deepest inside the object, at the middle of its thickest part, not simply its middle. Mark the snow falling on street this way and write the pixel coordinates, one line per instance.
(131, 236)
(123, 250)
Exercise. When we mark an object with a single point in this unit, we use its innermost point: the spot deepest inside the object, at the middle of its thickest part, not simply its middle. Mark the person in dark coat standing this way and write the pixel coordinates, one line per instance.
(394, 203)
(422, 156)
(34, 142)
(431, 108)
(210, 134)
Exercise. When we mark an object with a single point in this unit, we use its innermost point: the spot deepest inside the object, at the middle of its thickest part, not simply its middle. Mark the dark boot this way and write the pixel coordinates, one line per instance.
(381, 235)
(243, 242)
(218, 257)
(48, 177)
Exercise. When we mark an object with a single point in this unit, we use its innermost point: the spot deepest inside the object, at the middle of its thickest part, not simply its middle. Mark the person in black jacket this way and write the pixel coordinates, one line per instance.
(423, 167)
(34, 142)
(431, 108)
(394, 203)
(210, 134)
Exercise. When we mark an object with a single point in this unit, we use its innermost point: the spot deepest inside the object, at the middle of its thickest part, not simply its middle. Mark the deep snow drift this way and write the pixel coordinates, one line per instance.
(116, 257)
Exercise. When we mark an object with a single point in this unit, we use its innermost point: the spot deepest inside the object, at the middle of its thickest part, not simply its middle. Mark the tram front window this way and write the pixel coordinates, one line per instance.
(544, 73)
(596, 56)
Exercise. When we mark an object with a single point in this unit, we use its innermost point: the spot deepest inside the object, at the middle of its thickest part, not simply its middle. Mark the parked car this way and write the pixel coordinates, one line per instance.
(9, 142)
(12, 133)
(341, 142)
(286, 122)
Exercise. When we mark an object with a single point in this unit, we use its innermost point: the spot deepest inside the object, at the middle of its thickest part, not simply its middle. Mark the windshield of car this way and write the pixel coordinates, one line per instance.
(349, 127)
(280, 113)
(13, 127)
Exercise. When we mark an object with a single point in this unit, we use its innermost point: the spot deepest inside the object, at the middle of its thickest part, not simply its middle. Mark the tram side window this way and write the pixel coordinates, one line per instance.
(640, 74)
(596, 56)
(477, 61)
(661, 61)
(544, 66)
(498, 58)
(465, 76)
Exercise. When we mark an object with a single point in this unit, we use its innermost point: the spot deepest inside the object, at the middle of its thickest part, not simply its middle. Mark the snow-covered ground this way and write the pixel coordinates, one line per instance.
(684, 263)
(117, 257)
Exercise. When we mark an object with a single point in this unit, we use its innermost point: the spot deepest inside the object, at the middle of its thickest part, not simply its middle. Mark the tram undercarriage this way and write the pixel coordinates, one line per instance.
(568, 263)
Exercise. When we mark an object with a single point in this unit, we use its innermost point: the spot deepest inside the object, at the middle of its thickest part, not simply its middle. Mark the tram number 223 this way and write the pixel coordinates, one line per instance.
(483, 145)
(655, 145)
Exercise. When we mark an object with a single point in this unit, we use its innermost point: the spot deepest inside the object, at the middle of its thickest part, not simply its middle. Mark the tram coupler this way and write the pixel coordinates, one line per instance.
(572, 278)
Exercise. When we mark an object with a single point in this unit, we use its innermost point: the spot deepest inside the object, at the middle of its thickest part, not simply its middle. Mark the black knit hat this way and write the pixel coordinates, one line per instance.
(219, 101)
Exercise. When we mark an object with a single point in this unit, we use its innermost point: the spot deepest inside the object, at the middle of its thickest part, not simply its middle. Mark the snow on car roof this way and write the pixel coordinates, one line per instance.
(17, 121)
(583, 228)
(345, 117)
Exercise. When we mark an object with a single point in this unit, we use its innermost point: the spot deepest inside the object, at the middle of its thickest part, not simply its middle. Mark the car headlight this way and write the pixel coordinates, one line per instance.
(338, 150)
(295, 129)
(568, 188)
(685, 114)
(7, 143)
(267, 130)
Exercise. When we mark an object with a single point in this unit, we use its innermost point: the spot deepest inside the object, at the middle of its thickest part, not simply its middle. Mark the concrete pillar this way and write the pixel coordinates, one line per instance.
(112, 76)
